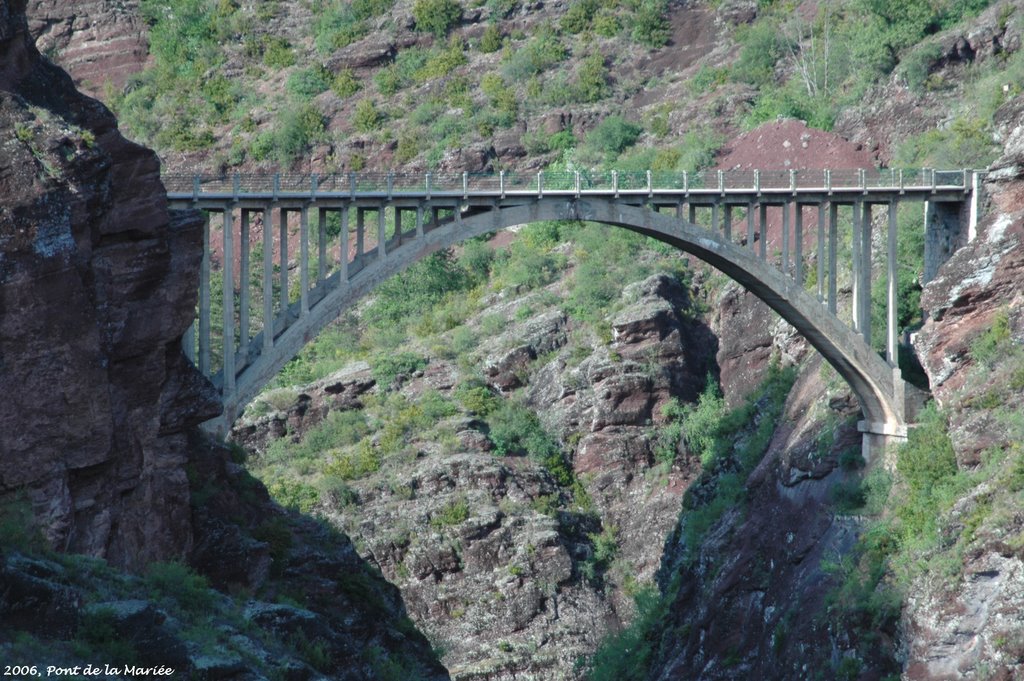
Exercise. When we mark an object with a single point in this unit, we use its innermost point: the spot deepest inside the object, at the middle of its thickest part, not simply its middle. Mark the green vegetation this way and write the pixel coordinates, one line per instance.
(454, 513)
(730, 444)
(613, 135)
(627, 655)
(178, 583)
(436, 16)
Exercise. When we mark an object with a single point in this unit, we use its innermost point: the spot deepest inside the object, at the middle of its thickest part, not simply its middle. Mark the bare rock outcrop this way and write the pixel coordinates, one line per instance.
(99, 42)
(98, 285)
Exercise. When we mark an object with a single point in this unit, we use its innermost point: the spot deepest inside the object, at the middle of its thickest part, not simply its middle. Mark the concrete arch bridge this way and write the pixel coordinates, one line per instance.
(388, 222)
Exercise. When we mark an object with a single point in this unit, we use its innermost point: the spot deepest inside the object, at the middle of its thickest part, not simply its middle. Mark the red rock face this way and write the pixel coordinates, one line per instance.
(98, 285)
(97, 41)
(982, 278)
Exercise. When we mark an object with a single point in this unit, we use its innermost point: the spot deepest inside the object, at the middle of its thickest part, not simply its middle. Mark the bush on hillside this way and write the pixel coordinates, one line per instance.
(613, 135)
(649, 26)
(436, 16)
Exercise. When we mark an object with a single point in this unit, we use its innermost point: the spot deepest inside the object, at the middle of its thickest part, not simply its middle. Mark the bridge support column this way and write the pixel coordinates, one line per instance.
(282, 224)
(228, 317)
(244, 301)
(750, 226)
(856, 262)
(268, 280)
(303, 261)
(890, 293)
(833, 236)
(321, 238)
(763, 210)
(864, 309)
(785, 238)
(821, 252)
(381, 236)
(343, 264)
(360, 231)
(204, 300)
(798, 244)
(727, 221)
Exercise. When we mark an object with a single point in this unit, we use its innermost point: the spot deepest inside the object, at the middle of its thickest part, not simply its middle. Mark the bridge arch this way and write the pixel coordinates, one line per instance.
(876, 384)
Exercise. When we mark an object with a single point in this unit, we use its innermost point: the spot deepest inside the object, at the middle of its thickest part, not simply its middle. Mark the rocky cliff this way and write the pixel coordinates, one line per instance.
(98, 285)
(969, 626)
(511, 571)
(99, 43)
(99, 450)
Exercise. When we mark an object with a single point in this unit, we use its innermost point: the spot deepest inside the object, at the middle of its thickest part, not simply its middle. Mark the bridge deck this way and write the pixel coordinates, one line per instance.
(735, 186)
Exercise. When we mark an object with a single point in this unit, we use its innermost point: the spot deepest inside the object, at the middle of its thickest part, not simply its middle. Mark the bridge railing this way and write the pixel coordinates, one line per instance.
(200, 184)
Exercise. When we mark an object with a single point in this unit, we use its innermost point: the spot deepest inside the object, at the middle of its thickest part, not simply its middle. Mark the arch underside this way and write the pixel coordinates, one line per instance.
(874, 382)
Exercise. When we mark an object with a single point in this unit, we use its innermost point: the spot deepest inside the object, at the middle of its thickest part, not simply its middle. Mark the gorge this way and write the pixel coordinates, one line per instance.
(507, 432)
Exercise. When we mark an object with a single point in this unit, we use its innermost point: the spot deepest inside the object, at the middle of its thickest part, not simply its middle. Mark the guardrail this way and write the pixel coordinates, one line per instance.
(579, 182)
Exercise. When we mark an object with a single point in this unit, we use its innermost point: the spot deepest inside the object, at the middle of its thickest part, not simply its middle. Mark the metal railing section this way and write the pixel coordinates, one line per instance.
(582, 181)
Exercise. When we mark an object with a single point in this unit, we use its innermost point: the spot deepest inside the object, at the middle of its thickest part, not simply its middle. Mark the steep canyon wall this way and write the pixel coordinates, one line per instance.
(98, 284)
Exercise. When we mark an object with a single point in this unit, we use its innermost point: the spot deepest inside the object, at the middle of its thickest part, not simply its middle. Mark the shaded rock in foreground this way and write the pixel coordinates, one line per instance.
(98, 285)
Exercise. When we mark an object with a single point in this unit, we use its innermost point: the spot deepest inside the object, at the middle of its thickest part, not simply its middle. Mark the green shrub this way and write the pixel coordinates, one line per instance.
(179, 583)
(476, 398)
(454, 513)
(613, 135)
(966, 143)
(917, 65)
(345, 83)
(18, 527)
(363, 460)
(708, 79)
(367, 117)
(308, 82)
(502, 9)
(523, 267)
(387, 367)
(490, 41)
(542, 52)
(298, 127)
(475, 260)
(592, 79)
(927, 467)
(441, 62)
(436, 16)
(405, 296)
(515, 430)
(336, 493)
(992, 344)
(649, 25)
(277, 53)
(627, 655)
(339, 23)
(98, 634)
(606, 24)
(762, 48)
(294, 494)
(702, 424)
(579, 15)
